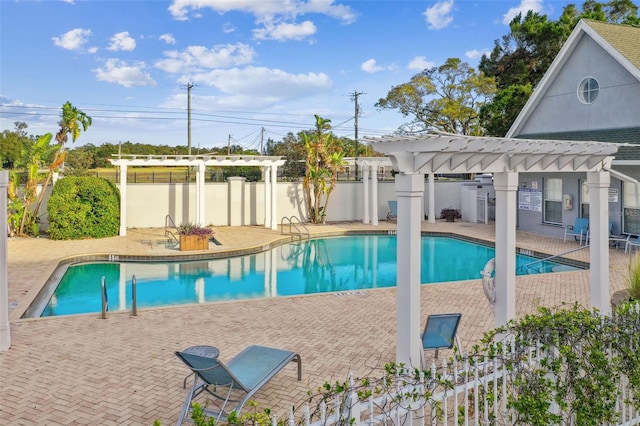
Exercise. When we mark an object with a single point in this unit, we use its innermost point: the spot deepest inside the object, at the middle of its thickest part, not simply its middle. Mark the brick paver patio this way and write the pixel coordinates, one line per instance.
(122, 371)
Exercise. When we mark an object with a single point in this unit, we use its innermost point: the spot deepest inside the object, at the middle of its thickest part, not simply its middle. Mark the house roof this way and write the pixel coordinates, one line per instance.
(622, 42)
(624, 38)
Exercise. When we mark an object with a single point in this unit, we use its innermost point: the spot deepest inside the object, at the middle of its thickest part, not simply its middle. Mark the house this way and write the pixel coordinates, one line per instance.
(591, 92)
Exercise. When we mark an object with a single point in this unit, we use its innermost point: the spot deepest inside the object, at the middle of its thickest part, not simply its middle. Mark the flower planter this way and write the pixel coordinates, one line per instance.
(194, 242)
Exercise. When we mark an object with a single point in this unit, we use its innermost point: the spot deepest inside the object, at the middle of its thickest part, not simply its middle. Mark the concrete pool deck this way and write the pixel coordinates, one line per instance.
(122, 371)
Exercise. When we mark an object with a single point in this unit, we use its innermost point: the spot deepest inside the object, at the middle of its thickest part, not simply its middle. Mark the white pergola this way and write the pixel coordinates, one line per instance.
(414, 156)
(269, 165)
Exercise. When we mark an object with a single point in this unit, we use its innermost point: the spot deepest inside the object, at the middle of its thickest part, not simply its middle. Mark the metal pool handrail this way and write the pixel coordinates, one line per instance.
(291, 219)
(524, 267)
(105, 299)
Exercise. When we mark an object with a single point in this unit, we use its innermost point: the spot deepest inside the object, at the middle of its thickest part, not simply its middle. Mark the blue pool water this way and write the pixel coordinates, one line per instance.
(335, 264)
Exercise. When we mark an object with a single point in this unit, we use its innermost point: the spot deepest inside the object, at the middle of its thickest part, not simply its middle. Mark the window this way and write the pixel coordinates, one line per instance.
(552, 201)
(631, 208)
(588, 90)
(584, 200)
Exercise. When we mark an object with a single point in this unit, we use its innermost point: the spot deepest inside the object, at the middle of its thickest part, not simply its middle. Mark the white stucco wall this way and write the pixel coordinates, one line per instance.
(149, 204)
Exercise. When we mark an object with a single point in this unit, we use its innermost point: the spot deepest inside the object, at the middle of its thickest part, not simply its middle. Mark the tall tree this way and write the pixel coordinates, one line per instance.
(12, 143)
(72, 121)
(446, 98)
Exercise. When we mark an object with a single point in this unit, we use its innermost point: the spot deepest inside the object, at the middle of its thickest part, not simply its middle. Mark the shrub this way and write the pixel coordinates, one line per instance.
(633, 278)
(83, 207)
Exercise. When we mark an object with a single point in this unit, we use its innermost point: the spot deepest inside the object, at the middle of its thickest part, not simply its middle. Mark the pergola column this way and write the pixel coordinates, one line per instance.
(274, 196)
(123, 200)
(266, 178)
(200, 197)
(5, 332)
(432, 198)
(365, 192)
(409, 191)
(506, 186)
(374, 194)
(598, 184)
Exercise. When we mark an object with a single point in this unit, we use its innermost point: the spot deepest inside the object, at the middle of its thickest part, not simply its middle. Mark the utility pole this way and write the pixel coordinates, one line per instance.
(262, 141)
(354, 97)
(229, 145)
(189, 87)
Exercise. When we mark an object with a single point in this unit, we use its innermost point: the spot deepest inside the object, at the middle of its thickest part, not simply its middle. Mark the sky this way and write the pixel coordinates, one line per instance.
(257, 69)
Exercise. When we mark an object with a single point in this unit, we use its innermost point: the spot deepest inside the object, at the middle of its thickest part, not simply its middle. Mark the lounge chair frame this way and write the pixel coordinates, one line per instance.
(235, 382)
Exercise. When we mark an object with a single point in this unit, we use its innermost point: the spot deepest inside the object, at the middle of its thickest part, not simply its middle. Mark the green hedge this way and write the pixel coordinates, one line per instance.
(83, 207)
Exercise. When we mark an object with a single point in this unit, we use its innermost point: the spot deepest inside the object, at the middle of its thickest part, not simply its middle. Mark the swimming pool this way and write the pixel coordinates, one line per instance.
(336, 264)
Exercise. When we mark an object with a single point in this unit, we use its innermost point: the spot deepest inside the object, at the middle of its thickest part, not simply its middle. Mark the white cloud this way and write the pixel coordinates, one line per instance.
(119, 72)
(420, 63)
(122, 41)
(370, 66)
(260, 86)
(197, 58)
(228, 28)
(69, 1)
(73, 40)
(523, 7)
(265, 9)
(168, 38)
(476, 53)
(439, 16)
(285, 31)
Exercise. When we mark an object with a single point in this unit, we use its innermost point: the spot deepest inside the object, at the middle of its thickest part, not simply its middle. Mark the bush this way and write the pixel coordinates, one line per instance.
(83, 207)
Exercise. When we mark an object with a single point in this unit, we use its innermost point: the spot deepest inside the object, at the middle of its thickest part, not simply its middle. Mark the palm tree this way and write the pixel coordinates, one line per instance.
(323, 157)
(72, 121)
(32, 159)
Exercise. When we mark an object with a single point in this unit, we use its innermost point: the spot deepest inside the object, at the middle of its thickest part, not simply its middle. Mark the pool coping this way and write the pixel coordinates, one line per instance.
(35, 301)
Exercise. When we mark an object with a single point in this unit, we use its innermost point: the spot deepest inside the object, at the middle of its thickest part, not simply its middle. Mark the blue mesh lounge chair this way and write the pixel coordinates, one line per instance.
(235, 382)
(440, 332)
(579, 230)
(393, 210)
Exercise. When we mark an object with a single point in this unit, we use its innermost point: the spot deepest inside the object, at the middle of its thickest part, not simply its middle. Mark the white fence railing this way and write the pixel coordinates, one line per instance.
(458, 392)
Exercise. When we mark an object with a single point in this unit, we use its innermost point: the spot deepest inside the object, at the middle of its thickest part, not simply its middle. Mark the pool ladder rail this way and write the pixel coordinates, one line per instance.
(295, 226)
(105, 297)
(539, 270)
(173, 240)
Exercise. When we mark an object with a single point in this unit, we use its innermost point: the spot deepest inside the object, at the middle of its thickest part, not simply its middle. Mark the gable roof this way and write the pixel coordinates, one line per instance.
(622, 42)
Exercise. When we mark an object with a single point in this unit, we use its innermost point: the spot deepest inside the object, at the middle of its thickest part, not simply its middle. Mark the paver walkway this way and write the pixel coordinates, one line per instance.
(122, 370)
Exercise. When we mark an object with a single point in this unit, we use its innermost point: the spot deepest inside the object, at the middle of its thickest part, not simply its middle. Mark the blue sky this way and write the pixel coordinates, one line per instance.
(254, 64)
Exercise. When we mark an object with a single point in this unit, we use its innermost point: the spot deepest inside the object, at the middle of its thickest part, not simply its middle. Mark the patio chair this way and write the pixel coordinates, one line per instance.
(610, 235)
(440, 332)
(579, 230)
(235, 382)
(393, 210)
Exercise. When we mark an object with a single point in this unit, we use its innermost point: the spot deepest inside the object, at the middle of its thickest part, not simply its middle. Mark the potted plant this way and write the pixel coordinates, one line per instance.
(193, 236)
(450, 214)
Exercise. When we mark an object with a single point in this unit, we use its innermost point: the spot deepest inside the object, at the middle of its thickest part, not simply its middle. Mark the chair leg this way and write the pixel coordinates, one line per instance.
(185, 407)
